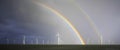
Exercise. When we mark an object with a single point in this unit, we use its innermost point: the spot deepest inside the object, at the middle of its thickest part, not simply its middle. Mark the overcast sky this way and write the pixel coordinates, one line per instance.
(92, 18)
(103, 13)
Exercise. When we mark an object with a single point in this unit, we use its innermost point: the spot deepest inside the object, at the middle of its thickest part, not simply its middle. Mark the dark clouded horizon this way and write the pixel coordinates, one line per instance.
(18, 19)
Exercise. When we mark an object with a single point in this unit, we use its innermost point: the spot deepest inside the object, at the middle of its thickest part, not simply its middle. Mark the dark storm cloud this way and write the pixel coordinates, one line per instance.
(18, 18)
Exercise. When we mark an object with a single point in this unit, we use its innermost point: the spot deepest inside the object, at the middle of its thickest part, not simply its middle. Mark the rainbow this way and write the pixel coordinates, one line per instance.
(65, 19)
(93, 25)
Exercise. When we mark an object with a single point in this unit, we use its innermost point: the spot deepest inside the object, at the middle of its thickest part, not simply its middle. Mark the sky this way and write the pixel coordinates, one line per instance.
(96, 21)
